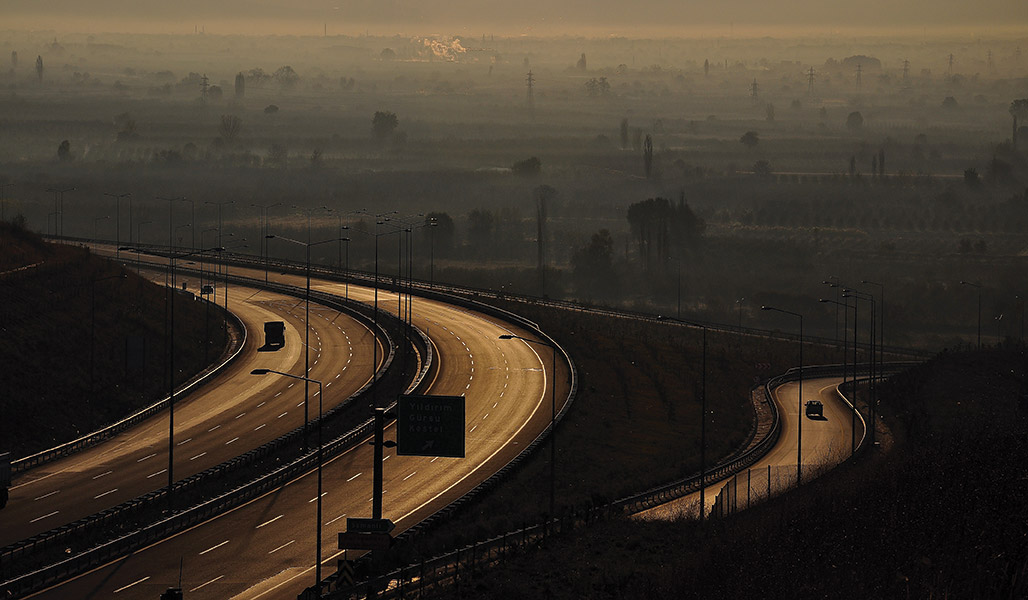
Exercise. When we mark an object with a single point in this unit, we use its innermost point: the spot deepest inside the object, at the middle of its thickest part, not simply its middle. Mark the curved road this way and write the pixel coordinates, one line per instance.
(266, 548)
(229, 415)
(826, 442)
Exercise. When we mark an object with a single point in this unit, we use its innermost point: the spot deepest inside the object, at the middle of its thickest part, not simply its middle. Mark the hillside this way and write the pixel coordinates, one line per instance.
(82, 341)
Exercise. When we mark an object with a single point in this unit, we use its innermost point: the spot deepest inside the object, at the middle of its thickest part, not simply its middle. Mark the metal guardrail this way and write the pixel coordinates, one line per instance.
(243, 493)
(450, 566)
(91, 439)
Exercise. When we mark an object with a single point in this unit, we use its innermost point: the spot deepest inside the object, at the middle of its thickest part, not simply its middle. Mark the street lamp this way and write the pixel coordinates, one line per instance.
(845, 344)
(739, 304)
(306, 322)
(317, 521)
(553, 411)
(59, 208)
(703, 413)
(833, 282)
(872, 388)
(96, 220)
(263, 225)
(979, 287)
(172, 257)
(799, 428)
(881, 324)
(117, 209)
(139, 231)
(220, 243)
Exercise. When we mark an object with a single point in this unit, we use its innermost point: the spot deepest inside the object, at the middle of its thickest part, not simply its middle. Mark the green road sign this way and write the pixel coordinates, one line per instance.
(430, 426)
(349, 540)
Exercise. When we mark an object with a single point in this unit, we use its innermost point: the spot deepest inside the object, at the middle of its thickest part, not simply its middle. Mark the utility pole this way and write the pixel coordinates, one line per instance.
(810, 81)
(204, 84)
(754, 89)
(949, 70)
(906, 70)
(860, 71)
(531, 98)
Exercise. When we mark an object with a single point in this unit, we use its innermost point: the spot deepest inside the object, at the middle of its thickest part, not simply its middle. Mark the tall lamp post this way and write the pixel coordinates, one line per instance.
(977, 286)
(845, 364)
(703, 413)
(881, 324)
(263, 224)
(872, 389)
(117, 209)
(317, 520)
(172, 257)
(59, 208)
(553, 412)
(799, 420)
(306, 323)
(220, 236)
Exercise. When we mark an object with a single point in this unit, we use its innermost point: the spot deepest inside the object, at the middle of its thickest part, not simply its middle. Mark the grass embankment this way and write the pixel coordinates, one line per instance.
(940, 515)
(50, 392)
(635, 423)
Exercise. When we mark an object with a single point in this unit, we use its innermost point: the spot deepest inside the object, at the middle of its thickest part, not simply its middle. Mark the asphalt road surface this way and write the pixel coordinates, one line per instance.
(266, 548)
(228, 416)
(826, 442)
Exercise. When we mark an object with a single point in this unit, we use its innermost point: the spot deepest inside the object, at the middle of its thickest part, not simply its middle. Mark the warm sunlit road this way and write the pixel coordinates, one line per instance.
(826, 442)
(266, 548)
(228, 416)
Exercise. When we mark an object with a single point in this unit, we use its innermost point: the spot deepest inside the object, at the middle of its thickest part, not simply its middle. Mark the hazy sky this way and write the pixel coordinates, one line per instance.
(691, 17)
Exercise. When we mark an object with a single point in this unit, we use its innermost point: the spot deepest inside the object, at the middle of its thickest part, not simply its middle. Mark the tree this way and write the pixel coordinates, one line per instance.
(240, 85)
(39, 68)
(662, 229)
(527, 168)
(481, 225)
(762, 168)
(316, 159)
(278, 156)
(64, 151)
(593, 264)
(1018, 110)
(624, 134)
(855, 121)
(750, 139)
(581, 62)
(383, 124)
(648, 156)
(230, 127)
(286, 77)
(706, 67)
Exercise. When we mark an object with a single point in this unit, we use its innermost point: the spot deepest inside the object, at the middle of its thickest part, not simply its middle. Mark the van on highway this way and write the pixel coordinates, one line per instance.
(815, 408)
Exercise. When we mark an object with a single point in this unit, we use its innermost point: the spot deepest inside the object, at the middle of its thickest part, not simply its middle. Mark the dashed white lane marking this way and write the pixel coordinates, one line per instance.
(185, 441)
(214, 547)
(213, 428)
(198, 456)
(156, 474)
(261, 404)
(123, 588)
(231, 440)
(259, 426)
(409, 476)
(206, 584)
(335, 519)
(485, 417)
(323, 494)
(269, 522)
(283, 414)
(104, 494)
(102, 475)
(354, 477)
(282, 546)
(47, 495)
(434, 459)
(473, 429)
(240, 414)
(278, 394)
(146, 457)
(44, 516)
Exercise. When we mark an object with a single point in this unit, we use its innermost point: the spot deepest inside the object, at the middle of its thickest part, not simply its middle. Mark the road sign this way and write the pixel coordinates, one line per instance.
(369, 525)
(430, 426)
(345, 570)
(350, 540)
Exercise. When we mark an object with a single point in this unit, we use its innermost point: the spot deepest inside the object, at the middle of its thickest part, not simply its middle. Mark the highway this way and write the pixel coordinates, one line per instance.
(826, 442)
(228, 416)
(266, 548)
